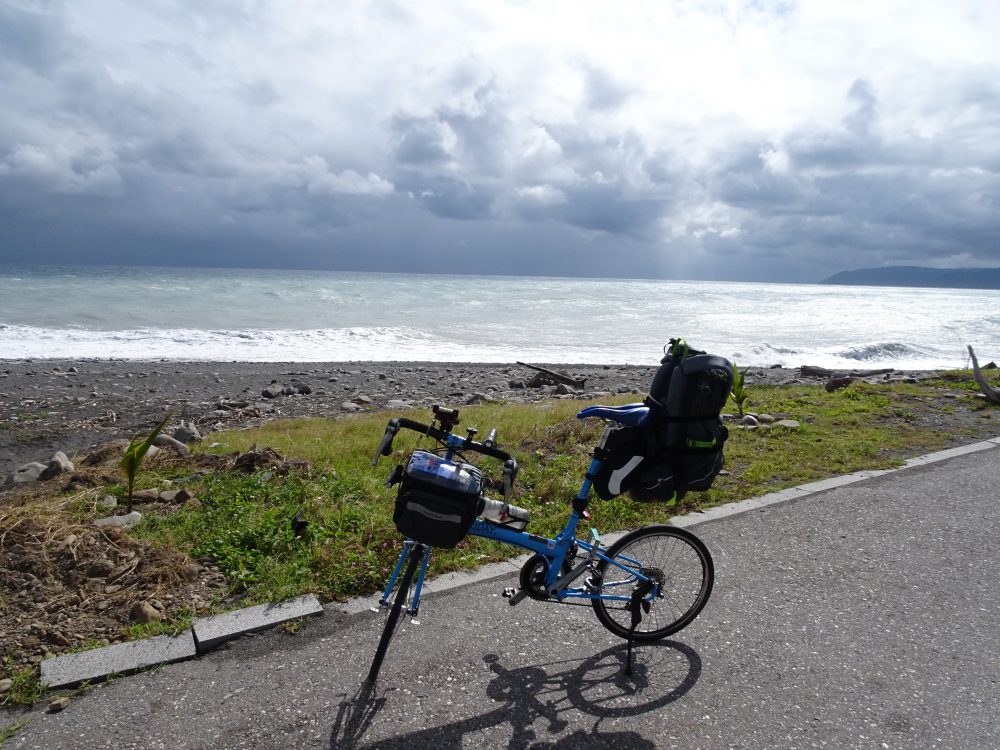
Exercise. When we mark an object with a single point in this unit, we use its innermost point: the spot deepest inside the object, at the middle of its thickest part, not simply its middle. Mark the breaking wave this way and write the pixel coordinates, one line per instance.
(886, 351)
(185, 314)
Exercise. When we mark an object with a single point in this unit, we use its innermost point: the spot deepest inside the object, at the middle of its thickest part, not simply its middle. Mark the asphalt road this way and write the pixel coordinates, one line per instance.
(866, 616)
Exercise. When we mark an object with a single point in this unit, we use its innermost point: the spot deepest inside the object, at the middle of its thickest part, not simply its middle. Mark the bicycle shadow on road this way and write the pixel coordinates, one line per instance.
(555, 696)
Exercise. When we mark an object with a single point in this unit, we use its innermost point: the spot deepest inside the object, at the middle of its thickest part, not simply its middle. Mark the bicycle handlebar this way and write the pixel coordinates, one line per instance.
(487, 447)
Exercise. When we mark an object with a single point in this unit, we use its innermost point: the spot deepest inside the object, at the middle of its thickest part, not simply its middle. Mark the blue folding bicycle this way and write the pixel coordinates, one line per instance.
(649, 584)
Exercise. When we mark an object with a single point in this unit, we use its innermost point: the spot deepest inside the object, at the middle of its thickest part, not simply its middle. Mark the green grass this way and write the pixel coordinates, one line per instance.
(11, 731)
(25, 690)
(243, 521)
(178, 624)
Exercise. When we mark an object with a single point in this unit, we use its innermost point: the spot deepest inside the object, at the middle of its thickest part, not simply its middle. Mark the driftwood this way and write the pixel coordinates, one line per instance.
(556, 377)
(992, 394)
(811, 371)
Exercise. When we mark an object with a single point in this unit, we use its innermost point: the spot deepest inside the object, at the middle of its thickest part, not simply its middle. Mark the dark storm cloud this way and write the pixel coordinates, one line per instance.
(852, 196)
(31, 39)
(452, 161)
(615, 186)
(184, 131)
(420, 142)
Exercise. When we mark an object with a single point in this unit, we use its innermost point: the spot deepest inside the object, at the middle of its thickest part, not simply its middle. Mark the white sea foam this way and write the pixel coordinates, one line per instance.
(199, 314)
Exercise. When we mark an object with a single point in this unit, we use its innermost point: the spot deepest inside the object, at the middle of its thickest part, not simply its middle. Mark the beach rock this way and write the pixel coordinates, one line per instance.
(128, 521)
(790, 424)
(835, 384)
(272, 391)
(175, 496)
(165, 441)
(564, 390)
(58, 464)
(187, 433)
(144, 613)
(517, 385)
(350, 406)
(749, 420)
(398, 404)
(31, 472)
(5, 685)
(811, 371)
(100, 569)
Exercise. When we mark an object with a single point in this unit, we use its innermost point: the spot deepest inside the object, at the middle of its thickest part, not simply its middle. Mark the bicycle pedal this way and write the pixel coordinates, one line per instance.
(509, 592)
(517, 597)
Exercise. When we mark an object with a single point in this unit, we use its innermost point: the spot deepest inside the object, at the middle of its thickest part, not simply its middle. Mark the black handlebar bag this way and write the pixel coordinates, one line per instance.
(438, 499)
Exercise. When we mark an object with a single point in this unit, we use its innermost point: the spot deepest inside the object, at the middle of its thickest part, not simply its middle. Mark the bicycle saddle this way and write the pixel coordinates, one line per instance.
(629, 415)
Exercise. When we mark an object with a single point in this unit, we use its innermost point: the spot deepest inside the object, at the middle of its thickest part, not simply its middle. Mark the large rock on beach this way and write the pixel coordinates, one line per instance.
(187, 433)
(30, 472)
(58, 464)
(165, 441)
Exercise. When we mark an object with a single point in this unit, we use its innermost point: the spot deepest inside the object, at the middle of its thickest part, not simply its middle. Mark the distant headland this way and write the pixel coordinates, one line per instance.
(949, 278)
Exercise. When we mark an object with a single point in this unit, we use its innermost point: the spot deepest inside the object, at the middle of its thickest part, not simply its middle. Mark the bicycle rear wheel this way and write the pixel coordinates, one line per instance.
(398, 602)
(675, 559)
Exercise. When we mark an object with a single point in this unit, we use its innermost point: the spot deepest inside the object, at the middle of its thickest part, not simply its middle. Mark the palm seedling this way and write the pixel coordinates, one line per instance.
(739, 391)
(134, 454)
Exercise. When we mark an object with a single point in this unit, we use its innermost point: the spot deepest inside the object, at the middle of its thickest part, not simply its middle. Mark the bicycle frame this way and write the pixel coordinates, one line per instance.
(555, 551)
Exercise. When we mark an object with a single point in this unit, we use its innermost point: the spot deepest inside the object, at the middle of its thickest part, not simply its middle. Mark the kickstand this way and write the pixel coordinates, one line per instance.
(636, 606)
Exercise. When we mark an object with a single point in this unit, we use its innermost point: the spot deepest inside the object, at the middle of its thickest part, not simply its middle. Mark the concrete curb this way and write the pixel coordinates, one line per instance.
(204, 634)
(209, 632)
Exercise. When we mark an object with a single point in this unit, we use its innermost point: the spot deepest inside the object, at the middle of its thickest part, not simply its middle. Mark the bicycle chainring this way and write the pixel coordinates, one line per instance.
(533, 576)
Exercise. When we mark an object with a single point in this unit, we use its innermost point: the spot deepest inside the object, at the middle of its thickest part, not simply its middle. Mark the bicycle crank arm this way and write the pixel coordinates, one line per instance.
(514, 597)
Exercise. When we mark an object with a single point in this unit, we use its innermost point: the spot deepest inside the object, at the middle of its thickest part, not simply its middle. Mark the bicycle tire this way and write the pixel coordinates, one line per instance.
(680, 562)
(398, 601)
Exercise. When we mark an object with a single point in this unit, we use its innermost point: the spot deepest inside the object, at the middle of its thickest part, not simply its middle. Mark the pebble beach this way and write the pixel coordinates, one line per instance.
(70, 405)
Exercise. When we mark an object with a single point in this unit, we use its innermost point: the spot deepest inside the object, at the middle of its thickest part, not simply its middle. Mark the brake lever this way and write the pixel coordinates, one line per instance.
(385, 447)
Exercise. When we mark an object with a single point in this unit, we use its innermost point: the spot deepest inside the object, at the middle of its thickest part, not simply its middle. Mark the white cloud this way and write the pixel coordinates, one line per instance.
(60, 170)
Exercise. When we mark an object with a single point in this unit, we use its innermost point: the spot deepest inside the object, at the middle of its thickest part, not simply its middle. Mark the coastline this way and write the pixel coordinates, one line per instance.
(49, 405)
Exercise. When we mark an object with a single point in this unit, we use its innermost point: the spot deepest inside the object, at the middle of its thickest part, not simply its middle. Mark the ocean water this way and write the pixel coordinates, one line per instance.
(264, 315)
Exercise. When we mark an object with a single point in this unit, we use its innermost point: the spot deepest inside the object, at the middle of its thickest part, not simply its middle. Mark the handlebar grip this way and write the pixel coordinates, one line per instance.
(385, 447)
(491, 438)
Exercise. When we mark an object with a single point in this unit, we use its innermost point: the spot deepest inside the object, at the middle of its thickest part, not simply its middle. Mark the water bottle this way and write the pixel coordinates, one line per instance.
(506, 515)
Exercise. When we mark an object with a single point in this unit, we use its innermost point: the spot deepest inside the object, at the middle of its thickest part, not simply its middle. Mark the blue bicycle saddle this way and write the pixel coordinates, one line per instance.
(630, 415)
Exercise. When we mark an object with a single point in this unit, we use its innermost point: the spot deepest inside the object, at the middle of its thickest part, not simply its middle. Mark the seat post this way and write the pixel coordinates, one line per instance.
(608, 429)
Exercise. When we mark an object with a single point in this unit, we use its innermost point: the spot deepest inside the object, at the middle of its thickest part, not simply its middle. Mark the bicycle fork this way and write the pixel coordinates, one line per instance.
(414, 604)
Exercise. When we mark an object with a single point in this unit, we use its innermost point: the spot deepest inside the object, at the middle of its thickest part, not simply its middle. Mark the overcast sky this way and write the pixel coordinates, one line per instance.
(772, 141)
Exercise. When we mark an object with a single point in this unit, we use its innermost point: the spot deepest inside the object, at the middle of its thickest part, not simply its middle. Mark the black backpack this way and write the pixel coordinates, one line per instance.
(680, 449)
